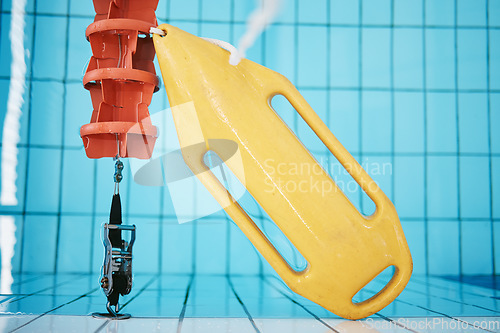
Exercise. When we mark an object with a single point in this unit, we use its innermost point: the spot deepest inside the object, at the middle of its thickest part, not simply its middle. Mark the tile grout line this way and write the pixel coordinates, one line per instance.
(249, 316)
(457, 112)
(395, 322)
(314, 151)
(425, 156)
(54, 309)
(444, 315)
(360, 96)
(434, 311)
(324, 323)
(217, 219)
(490, 140)
(341, 25)
(266, 279)
(144, 287)
(451, 300)
(27, 280)
(162, 188)
(28, 138)
(392, 197)
(140, 291)
(444, 288)
(62, 150)
(228, 251)
(93, 219)
(184, 305)
(45, 289)
(314, 88)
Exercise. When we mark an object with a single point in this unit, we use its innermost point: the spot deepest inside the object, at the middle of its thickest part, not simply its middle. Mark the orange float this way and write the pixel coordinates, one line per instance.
(121, 79)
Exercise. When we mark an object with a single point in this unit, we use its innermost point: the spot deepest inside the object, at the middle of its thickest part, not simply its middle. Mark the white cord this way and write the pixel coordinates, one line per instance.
(257, 22)
(11, 125)
(157, 31)
(234, 58)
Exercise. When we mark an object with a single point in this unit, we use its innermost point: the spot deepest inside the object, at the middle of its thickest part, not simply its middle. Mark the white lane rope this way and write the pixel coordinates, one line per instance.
(11, 125)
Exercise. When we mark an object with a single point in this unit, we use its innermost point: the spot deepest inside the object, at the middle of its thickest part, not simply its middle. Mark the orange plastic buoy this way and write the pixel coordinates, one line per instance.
(121, 79)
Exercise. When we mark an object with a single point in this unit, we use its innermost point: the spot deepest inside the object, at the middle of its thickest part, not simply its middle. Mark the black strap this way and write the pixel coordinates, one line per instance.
(115, 236)
(115, 217)
(119, 287)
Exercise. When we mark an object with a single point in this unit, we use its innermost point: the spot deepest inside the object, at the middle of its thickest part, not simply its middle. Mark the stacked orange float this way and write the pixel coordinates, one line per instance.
(121, 79)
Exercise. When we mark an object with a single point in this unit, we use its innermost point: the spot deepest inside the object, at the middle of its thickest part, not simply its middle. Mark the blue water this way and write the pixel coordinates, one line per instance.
(410, 84)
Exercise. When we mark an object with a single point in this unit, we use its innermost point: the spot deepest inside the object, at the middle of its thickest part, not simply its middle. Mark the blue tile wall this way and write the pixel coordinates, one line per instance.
(494, 59)
(473, 123)
(43, 180)
(211, 247)
(79, 51)
(442, 187)
(49, 50)
(344, 12)
(283, 58)
(317, 14)
(409, 186)
(344, 62)
(344, 118)
(495, 186)
(221, 11)
(493, 7)
(77, 7)
(440, 13)
(408, 122)
(412, 84)
(408, 58)
(440, 58)
(476, 248)
(376, 121)
(39, 253)
(471, 12)
(443, 247)
(5, 54)
(178, 246)
(408, 12)
(77, 173)
(441, 123)
(46, 114)
(376, 11)
(474, 187)
(312, 49)
(73, 252)
(185, 10)
(375, 62)
(496, 253)
(472, 56)
(58, 7)
(147, 244)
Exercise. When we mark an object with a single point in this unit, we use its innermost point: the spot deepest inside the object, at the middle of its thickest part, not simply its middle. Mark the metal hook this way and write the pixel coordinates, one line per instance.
(111, 311)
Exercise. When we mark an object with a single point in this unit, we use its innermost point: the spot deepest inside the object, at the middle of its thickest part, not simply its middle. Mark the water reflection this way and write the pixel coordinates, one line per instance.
(7, 242)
